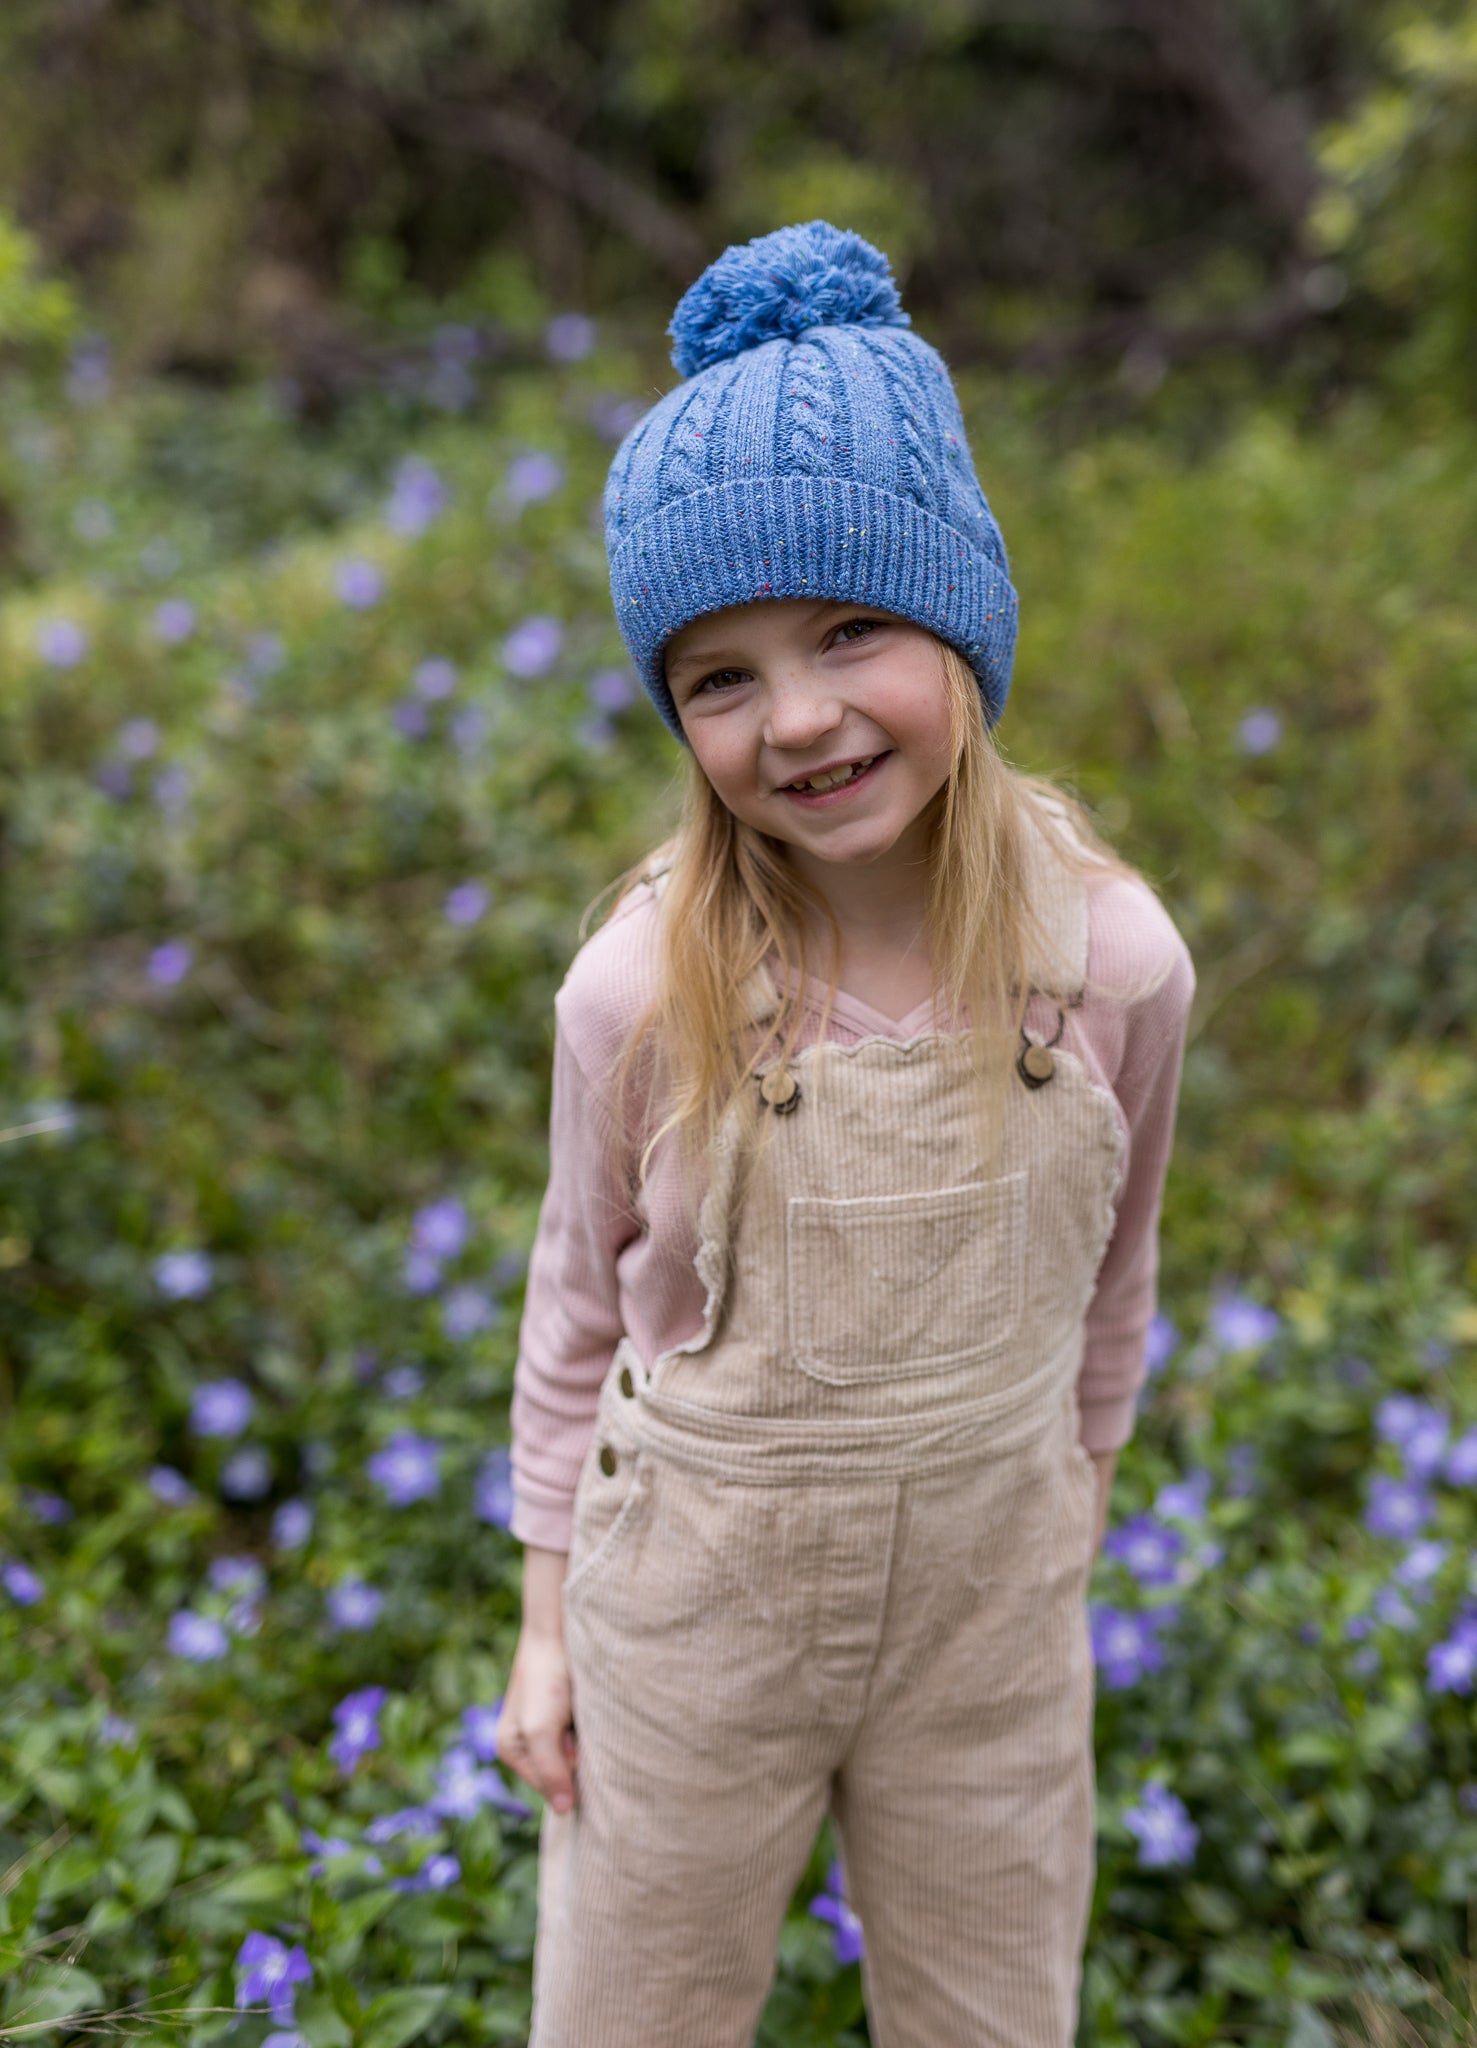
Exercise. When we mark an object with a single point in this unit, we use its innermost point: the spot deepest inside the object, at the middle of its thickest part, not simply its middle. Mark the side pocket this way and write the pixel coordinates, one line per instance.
(607, 1507)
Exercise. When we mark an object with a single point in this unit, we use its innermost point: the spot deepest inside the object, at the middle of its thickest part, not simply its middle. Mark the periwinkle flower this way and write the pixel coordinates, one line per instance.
(236, 1575)
(613, 418)
(1258, 732)
(46, 1507)
(171, 789)
(1148, 1549)
(1451, 1665)
(415, 1821)
(265, 654)
(434, 678)
(1397, 1507)
(480, 1725)
(1185, 1499)
(1162, 1825)
(292, 1524)
(114, 1728)
(170, 1486)
(440, 1228)
(185, 1275)
(174, 620)
(420, 1273)
(1161, 1343)
(61, 643)
(569, 337)
(1392, 1608)
(1240, 1324)
(531, 478)
(463, 1786)
(435, 1875)
(417, 498)
(410, 719)
(247, 1474)
(138, 738)
(466, 903)
(493, 1492)
(596, 733)
(222, 1408)
(508, 1267)
(466, 1311)
(199, 1638)
(831, 1905)
(359, 583)
(611, 690)
(468, 728)
(89, 370)
(403, 1382)
(1435, 1354)
(356, 1718)
(1420, 1565)
(335, 1849)
(1461, 1461)
(408, 1469)
(354, 1605)
(451, 387)
(92, 520)
(20, 1582)
(532, 648)
(1125, 1645)
(114, 779)
(267, 1970)
(454, 341)
(170, 962)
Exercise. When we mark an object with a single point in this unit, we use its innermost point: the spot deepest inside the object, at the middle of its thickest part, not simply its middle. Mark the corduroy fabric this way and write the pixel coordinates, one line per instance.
(841, 1561)
(828, 461)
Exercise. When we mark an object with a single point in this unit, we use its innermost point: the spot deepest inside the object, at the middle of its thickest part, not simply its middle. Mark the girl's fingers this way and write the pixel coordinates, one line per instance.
(548, 1770)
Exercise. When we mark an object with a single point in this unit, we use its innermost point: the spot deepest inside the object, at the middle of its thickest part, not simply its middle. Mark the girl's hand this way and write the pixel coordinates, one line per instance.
(535, 1736)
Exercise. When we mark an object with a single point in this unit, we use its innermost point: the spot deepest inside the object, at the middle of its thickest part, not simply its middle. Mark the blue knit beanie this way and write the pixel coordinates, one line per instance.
(815, 450)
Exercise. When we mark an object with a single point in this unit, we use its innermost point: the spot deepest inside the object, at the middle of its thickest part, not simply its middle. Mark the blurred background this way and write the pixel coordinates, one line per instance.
(319, 323)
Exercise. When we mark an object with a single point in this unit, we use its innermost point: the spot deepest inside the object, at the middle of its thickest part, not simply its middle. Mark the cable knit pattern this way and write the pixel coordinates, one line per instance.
(601, 1270)
(784, 468)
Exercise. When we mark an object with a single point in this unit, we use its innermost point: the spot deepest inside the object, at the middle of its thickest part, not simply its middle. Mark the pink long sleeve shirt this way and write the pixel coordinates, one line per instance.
(602, 1267)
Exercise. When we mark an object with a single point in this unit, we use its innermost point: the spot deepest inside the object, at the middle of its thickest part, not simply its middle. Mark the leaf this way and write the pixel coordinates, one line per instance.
(260, 1884)
(1309, 2030)
(398, 2016)
(153, 1869)
(53, 1993)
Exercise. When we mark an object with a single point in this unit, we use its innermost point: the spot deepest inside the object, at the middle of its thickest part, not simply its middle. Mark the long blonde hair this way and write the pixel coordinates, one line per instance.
(732, 898)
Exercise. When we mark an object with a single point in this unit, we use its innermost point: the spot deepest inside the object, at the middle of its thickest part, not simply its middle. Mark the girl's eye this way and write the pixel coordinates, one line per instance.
(717, 677)
(867, 626)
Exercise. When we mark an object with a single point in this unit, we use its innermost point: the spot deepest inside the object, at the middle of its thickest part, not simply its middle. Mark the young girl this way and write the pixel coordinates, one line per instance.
(862, 1102)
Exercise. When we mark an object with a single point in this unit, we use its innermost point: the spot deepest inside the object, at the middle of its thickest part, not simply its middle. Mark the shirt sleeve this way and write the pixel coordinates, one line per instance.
(1147, 1087)
(571, 1315)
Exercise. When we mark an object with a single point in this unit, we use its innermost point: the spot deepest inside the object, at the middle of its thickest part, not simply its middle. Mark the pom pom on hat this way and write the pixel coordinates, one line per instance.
(777, 287)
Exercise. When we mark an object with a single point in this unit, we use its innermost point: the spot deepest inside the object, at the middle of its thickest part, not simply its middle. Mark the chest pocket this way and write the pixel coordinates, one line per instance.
(881, 1286)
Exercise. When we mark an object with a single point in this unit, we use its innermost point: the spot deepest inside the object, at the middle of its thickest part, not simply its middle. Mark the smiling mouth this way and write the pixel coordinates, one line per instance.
(834, 778)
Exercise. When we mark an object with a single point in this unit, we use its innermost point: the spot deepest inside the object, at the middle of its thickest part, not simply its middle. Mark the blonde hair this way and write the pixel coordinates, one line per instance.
(731, 898)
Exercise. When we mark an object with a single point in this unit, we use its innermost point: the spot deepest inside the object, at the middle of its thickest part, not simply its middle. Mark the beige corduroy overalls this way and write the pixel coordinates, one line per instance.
(833, 1552)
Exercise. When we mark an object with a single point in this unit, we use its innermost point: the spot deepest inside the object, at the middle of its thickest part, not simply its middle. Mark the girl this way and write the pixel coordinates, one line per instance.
(862, 1103)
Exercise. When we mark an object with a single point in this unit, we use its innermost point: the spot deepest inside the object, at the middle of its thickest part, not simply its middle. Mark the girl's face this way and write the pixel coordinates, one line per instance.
(774, 693)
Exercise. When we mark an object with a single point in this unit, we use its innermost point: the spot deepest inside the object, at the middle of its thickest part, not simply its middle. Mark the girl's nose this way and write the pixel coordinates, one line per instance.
(799, 714)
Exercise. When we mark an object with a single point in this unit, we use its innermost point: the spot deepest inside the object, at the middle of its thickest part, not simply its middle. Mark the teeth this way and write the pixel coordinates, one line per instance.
(835, 780)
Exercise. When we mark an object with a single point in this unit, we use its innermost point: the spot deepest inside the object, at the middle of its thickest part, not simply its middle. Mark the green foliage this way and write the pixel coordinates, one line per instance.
(34, 309)
(337, 1050)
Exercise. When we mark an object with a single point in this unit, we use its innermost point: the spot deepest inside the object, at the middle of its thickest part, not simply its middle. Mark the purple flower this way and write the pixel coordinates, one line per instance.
(244, 1618)
(1241, 1464)
(596, 733)
(170, 1486)
(92, 520)
(1124, 1644)
(171, 788)
(292, 1525)
(1451, 1666)
(1435, 1354)
(465, 1311)
(417, 499)
(493, 1495)
(464, 1787)
(1461, 1462)
(1420, 1565)
(612, 689)
(480, 1726)
(532, 648)
(1259, 732)
(1161, 1343)
(236, 1574)
(265, 654)
(421, 1274)
(267, 1970)
(615, 417)
(403, 1382)
(408, 1820)
(89, 372)
(114, 779)
(410, 719)
(569, 337)
(532, 477)
(434, 1875)
(468, 728)
(113, 1728)
(46, 1507)
(354, 1605)
(21, 1583)
(466, 902)
(1162, 1824)
(138, 738)
(831, 1905)
(451, 387)
(61, 643)
(1147, 1548)
(455, 342)
(1397, 1507)
(334, 1848)
(356, 1717)
(1356, 1372)
(1393, 1609)
(247, 1474)
(440, 1228)
(508, 1267)
(1185, 1499)
(286, 2037)
(434, 679)
(222, 1408)
(360, 584)
(1240, 1324)
(174, 620)
(197, 1637)
(407, 1469)
(171, 961)
(1418, 1429)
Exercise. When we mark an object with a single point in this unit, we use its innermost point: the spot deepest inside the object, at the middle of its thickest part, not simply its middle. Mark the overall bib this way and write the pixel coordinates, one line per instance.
(832, 1553)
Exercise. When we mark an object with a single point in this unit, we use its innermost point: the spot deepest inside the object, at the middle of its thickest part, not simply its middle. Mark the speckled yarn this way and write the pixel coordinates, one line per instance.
(815, 450)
